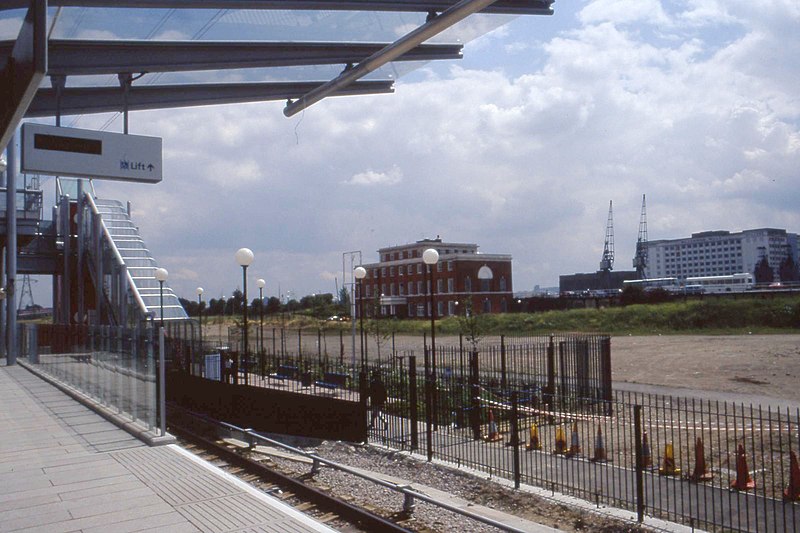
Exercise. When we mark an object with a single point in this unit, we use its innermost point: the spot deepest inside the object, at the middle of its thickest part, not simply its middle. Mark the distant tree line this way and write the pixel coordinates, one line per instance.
(315, 305)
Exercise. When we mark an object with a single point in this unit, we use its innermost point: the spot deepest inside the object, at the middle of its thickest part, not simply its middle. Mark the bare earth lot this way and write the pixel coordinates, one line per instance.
(764, 365)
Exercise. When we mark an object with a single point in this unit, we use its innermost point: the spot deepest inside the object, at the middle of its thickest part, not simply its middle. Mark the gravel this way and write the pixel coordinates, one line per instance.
(427, 517)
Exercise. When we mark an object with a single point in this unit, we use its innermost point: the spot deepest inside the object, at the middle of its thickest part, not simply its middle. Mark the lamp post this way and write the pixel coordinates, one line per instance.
(430, 257)
(360, 273)
(260, 283)
(161, 276)
(200, 291)
(244, 256)
(222, 299)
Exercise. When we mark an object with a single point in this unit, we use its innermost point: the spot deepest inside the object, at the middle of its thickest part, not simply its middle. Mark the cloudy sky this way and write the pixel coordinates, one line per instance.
(519, 147)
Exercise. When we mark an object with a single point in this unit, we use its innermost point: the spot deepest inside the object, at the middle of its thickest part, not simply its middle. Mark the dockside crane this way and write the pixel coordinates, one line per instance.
(640, 259)
(607, 262)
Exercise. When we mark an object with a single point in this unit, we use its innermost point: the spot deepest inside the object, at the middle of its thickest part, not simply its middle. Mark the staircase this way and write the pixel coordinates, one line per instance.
(122, 235)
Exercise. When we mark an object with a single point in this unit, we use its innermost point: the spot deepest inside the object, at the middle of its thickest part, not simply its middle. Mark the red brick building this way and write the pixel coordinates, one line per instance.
(396, 285)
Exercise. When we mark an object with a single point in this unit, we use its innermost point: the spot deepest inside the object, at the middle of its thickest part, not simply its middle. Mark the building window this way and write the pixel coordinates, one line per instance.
(410, 287)
(402, 289)
(449, 266)
(369, 292)
(383, 289)
(419, 288)
(420, 309)
(451, 308)
(504, 306)
(419, 268)
(391, 271)
(450, 285)
(503, 283)
(440, 308)
(468, 284)
(486, 285)
(383, 271)
(410, 310)
(410, 269)
(487, 306)
(440, 286)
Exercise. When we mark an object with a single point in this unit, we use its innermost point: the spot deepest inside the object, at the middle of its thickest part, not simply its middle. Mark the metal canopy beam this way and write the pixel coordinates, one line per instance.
(433, 27)
(511, 7)
(23, 70)
(75, 57)
(87, 100)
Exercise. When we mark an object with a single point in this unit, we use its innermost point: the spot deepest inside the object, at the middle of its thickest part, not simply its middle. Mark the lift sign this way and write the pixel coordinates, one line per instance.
(90, 154)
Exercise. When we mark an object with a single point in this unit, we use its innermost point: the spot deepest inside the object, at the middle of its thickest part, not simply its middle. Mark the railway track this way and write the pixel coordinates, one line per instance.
(200, 438)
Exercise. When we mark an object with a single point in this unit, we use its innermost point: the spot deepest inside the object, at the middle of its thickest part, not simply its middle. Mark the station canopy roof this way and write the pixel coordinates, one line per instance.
(72, 57)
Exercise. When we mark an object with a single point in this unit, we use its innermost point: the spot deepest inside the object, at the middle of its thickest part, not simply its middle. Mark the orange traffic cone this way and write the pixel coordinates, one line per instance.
(647, 459)
(534, 443)
(700, 472)
(494, 434)
(792, 493)
(599, 447)
(575, 443)
(743, 480)
(668, 468)
(561, 441)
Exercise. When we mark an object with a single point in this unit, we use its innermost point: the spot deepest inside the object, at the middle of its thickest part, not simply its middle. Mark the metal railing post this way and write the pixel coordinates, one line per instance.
(162, 397)
(637, 429)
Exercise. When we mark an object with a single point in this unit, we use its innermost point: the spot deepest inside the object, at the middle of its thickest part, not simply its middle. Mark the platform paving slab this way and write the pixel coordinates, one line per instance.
(64, 468)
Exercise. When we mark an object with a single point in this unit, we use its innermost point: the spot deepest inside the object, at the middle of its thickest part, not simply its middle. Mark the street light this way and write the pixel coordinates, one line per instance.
(260, 283)
(161, 276)
(244, 256)
(360, 273)
(430, 257)
(199, 291)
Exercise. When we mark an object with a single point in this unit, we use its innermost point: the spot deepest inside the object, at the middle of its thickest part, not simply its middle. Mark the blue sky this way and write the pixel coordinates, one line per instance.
(518, 147)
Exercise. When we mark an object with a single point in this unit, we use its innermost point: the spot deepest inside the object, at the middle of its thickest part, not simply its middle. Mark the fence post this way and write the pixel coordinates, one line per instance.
(550, 392)
(605, 365)
(475, 392)
(637, 430)
(412, 398)
(515, 437)
(341, 347)
(503, 377)
(428, 407)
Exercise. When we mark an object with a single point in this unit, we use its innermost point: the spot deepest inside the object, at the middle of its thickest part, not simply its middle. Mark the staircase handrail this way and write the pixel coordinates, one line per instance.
(117, 255)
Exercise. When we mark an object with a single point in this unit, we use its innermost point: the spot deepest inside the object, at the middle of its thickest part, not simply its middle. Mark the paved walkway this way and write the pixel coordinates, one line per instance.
(64, 468)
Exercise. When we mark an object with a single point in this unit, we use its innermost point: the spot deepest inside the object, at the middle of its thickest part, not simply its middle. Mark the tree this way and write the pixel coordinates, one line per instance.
(344, 301)
(273, 305)
(471, 326)
(763, 272)
(788, 270)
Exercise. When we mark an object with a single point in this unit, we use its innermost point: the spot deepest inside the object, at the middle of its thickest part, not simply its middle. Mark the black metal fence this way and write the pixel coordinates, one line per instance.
(541, 411)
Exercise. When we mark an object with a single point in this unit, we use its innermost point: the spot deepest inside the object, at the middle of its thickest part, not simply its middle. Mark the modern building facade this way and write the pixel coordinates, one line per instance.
(717, 253)
(397, 285)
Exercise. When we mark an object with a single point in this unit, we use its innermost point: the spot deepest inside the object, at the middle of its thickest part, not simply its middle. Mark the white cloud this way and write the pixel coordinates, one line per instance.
(391, 177)
(705, 121)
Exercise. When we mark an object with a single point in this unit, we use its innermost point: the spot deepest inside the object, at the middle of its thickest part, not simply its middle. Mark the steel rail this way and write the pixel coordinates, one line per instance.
(368, 520)
(409, 493)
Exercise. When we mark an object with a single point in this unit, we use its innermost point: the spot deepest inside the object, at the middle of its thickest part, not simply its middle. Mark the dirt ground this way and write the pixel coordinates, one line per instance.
(764, 365)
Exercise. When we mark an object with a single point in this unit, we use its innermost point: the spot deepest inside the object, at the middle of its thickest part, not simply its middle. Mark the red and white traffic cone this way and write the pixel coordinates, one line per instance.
(494, 433)
(743, 480)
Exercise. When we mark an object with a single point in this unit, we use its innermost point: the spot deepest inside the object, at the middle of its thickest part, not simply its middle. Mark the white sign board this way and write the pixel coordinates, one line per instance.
(213, 367)
(90, 154)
